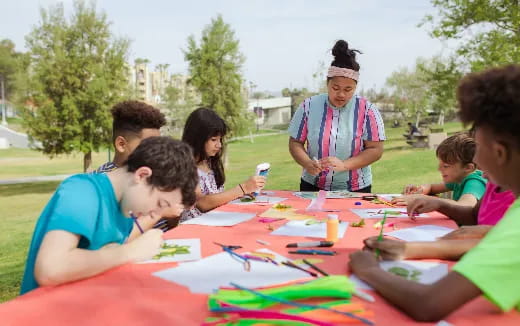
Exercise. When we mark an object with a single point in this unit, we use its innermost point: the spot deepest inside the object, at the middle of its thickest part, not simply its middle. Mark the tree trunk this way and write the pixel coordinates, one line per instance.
(87, 161)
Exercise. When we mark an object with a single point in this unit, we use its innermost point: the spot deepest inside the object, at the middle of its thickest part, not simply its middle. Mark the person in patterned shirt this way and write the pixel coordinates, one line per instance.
(344, 133)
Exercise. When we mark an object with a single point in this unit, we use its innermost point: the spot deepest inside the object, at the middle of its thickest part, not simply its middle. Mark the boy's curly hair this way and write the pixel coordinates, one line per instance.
(457, 148)
(492, 99)
(131, 117)
(172, 165)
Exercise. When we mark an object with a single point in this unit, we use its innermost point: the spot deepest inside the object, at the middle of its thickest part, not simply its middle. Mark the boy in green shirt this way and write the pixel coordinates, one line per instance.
(459, 174)
(489, 100)
(86, 228)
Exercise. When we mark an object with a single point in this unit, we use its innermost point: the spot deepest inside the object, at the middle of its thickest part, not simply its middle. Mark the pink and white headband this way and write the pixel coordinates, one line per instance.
(342, 72)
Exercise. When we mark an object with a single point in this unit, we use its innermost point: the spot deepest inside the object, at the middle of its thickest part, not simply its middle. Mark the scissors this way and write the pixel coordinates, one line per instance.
(238, 257)
(229, 247)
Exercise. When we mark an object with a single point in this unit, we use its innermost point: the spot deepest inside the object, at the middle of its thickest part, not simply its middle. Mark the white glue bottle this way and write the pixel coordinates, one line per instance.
(262, 170)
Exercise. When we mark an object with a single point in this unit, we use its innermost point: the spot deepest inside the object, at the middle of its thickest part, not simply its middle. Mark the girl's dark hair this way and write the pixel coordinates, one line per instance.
(344, 57)
(202, 124)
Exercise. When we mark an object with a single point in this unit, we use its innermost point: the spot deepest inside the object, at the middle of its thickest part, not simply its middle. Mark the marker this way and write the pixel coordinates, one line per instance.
(313, 252)
(292, 265)
(365, 296)
(316, 268)
(135, 221)
(310, 244)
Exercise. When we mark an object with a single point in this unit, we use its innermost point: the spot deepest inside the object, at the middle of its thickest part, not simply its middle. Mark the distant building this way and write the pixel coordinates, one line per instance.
(150, 86)
(271, 111)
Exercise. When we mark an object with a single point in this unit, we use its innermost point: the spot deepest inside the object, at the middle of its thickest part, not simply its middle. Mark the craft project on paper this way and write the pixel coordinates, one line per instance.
(418, 271)
(380, 212)
(247, 200)
(177, 250)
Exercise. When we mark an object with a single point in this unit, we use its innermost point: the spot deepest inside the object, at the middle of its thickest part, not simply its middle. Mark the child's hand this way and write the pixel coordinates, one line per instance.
(468, 232)
(417, 204)
(145, 246)
(388, 249)
(254, 183)
(313, 167)
(362, 261)
(148, 221)
(416, 189)
(332, 163)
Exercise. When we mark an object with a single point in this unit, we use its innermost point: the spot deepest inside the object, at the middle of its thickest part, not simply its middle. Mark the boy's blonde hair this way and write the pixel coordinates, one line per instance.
(457, 148)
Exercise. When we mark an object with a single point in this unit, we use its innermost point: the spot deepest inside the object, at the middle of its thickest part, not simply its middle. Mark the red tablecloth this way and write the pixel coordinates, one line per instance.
(130, 295)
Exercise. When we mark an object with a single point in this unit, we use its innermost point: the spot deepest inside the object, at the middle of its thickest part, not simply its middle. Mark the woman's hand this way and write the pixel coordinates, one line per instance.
(388, 249)
(313, 167)
(253, 183)
(333, 163)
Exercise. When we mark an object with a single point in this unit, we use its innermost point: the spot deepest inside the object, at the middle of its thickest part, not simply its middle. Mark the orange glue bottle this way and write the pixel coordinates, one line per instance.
(332, 227)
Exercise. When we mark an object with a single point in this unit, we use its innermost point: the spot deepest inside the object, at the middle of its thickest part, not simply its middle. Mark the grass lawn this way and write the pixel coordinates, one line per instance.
(21, 204)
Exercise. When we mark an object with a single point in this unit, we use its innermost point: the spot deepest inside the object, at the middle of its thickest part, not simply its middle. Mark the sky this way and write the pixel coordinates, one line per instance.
(283, 41)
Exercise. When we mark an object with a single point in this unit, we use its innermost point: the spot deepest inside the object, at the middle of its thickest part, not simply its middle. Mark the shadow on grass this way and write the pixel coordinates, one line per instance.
(28, 188)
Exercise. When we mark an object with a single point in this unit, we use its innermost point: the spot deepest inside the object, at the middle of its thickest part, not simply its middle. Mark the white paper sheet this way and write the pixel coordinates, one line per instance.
(389, 197)
(220, 218)
(332, 194)
(298, 228)
(420, 233)
(193, 247)
(208, 274)
(430, 272)
(265, 200)
(379, 212)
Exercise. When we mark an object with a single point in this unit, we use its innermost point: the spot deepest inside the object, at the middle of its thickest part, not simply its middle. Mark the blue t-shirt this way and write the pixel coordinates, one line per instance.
(84, 204)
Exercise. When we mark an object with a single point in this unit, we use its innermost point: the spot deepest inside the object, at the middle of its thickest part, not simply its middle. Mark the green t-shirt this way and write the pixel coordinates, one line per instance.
(473, 184)
(494, 264)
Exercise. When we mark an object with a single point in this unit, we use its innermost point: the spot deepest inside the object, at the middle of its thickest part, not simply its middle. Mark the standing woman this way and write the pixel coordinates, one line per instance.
(344, 133)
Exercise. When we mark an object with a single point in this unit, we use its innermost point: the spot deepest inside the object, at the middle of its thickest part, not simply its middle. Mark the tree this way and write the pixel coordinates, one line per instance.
(9, 65)
(215, 71)
(297, 96)
(441, 77)
(488, 29)
(408, 89)
(79, 71)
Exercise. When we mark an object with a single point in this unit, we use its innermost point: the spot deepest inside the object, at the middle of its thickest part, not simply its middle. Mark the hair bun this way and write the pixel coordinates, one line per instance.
(341, 50)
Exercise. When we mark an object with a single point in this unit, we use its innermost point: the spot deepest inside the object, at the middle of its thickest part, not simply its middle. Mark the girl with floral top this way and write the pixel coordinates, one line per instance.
(204, 131)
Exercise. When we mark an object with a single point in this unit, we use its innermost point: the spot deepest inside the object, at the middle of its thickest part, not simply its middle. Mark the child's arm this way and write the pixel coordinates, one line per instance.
(458, 211)
(60, 261)
(211, 201)
(422, 302)
(440, 249)
(425, 189)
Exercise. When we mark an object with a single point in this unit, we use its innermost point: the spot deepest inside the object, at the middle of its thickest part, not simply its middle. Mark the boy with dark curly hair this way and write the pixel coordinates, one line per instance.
(133, 121)
(489, 101)
(86, 228)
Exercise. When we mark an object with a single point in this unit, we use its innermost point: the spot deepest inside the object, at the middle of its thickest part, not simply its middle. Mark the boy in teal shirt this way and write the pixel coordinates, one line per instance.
(85, 228)
(489, 100)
